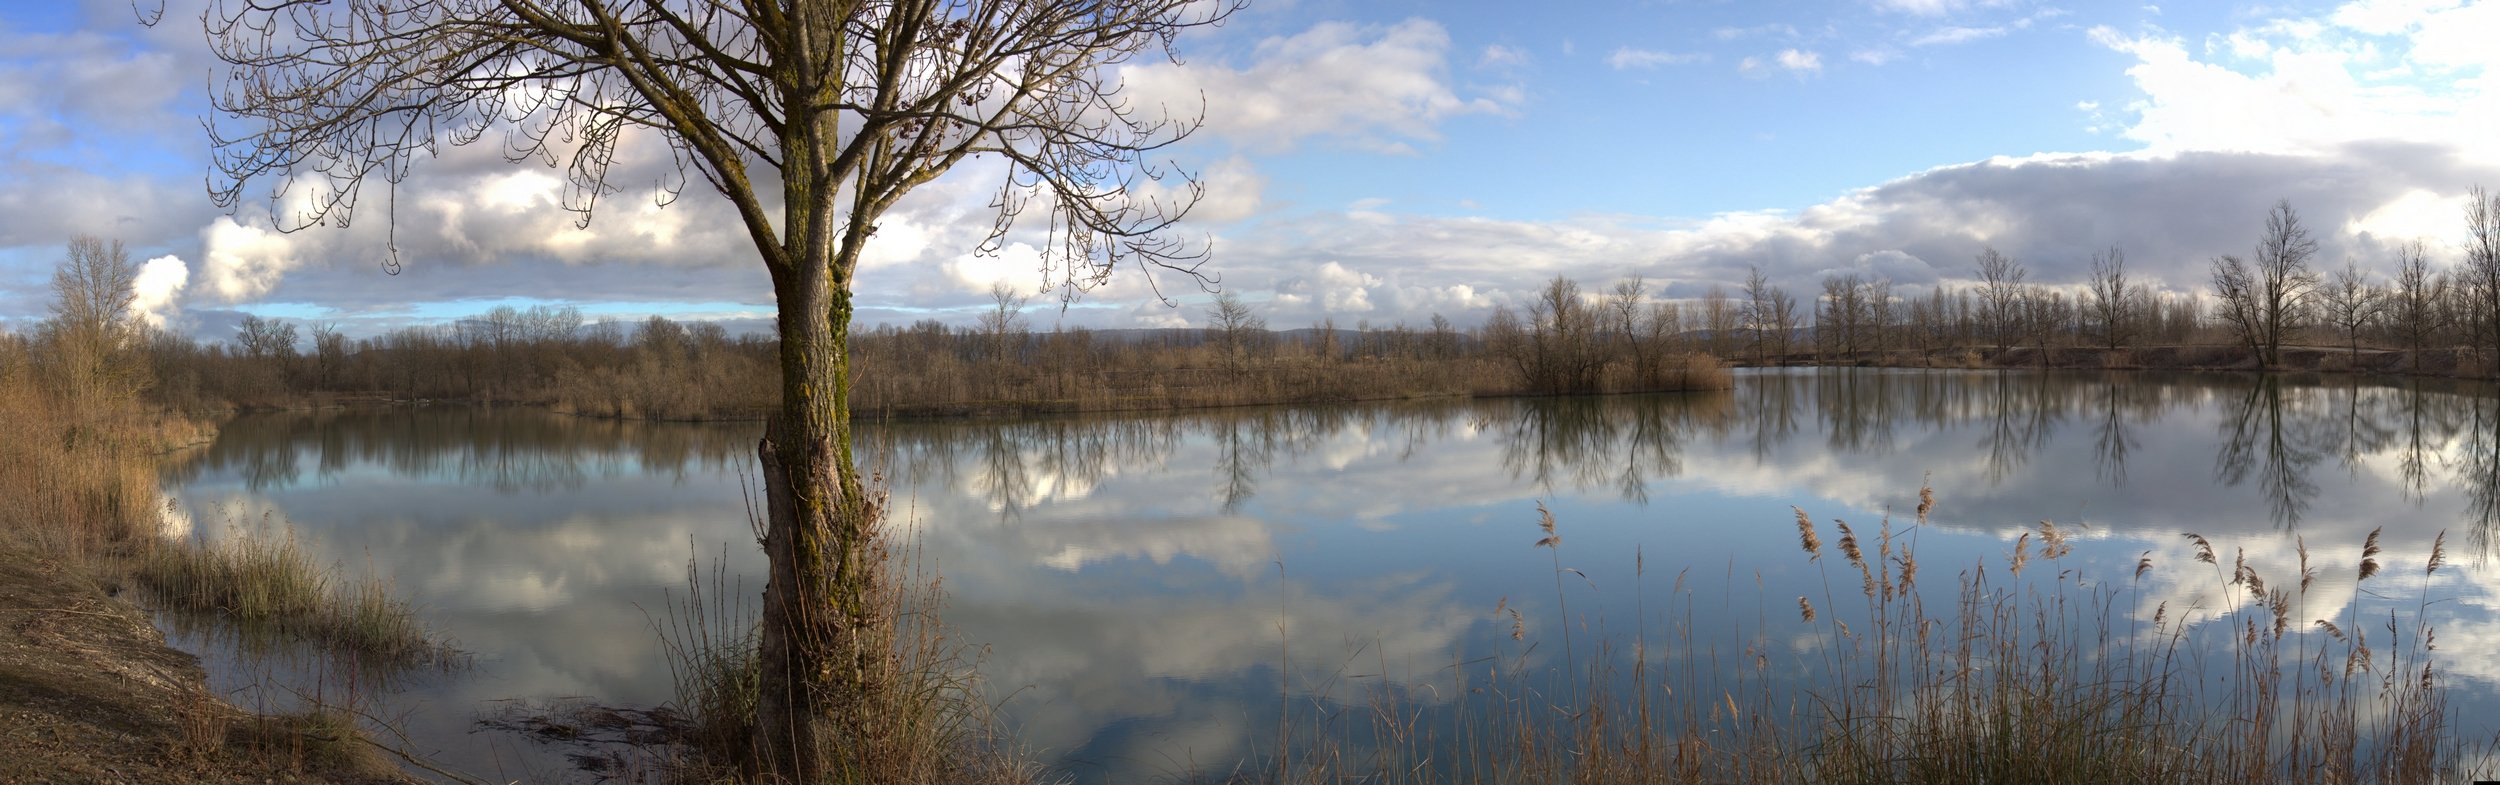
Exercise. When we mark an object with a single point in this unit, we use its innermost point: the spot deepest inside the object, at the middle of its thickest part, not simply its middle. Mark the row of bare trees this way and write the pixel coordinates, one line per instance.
(2277, 296)
(2273, 297)
(655, 368)
(1623, 340)
(1861, 317)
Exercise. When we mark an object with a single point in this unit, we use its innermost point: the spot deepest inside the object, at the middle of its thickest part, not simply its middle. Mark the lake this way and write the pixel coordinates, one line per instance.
(1153, 593)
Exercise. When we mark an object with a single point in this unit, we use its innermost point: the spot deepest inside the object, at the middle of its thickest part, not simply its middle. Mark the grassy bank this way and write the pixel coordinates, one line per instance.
(86, 681)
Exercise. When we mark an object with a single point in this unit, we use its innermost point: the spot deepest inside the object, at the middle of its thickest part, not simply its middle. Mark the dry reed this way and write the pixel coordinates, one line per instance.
(2048, 679)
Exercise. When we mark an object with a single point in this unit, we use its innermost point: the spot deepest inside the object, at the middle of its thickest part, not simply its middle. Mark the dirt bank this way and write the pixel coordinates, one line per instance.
(90, 693)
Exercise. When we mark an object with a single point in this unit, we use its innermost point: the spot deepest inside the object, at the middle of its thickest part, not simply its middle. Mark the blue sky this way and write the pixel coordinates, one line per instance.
(1384, 161)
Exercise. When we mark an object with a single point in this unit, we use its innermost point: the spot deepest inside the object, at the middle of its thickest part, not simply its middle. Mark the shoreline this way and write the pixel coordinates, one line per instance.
(91, 692)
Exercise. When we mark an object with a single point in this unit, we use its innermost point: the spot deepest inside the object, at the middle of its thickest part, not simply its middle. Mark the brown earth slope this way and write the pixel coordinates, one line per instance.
(90, 693)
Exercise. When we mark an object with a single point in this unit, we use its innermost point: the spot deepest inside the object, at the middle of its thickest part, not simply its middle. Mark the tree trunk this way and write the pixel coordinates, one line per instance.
(826, 652)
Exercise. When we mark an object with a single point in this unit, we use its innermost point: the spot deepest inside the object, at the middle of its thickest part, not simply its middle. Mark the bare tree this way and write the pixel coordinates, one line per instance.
(2000, 296)
(2262, 298)
(94, 328)
(811, 118)
(1623, 320)
(2413, 305)
(1563, 335)
(2481, 271)
(1780, 315)
(1719, 318)
(1841, 317)
(2235, 301)
(329, 355)
(265, 339)
(1235, 328)
(2350, 303)
(1758, 312)
(1004, 321)
(2046, 316)
(1442, 342)
(2108, 300)
(1770, 315)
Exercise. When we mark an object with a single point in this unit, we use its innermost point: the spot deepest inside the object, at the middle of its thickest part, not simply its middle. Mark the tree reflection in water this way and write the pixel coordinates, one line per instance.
(2273, 433)
(2276, 430)
(508, 449)
(1125, 566)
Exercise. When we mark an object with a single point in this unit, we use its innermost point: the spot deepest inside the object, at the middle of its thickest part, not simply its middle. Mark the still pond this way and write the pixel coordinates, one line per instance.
(1147, 592)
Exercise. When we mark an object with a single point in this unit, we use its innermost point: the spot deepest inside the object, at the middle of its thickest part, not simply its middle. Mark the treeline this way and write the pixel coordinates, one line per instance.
(2273, 307)
(1001, 364)
(655, 368)
(658, 368)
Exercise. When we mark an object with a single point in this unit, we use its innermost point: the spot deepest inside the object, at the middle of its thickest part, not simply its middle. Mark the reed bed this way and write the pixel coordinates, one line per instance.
(270, 584)
(78, 475)
(2015, 669)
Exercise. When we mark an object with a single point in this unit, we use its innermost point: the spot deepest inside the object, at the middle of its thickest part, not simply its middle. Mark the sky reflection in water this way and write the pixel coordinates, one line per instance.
(1142, 582)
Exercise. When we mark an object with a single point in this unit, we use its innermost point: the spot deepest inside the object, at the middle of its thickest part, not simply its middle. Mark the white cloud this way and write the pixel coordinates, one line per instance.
(159, 281)
(1374, 87)
(1625, 58)
(243, 261)
(1337, 288)
(1875, 56)
(1733, 33)
(1960, 35)
(1929, 7)
(1234, 191)
(2389, 17)
(2310, 86)
(2433, 218)
(1499, 56)
(1016, 265)
(1794, 61)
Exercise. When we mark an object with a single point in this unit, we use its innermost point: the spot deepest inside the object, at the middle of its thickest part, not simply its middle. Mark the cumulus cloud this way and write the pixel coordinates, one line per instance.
(1378, 88)
(2310, 85)
(1334, 289)
(153, 291)
(244, 261)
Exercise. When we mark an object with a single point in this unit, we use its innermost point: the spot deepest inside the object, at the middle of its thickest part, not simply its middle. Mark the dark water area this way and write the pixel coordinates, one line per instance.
(1150, 592)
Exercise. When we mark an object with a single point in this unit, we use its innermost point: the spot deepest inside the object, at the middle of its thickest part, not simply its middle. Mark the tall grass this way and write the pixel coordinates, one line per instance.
(77, 475)
(270, 584)
(937, 727)
(2021, 670)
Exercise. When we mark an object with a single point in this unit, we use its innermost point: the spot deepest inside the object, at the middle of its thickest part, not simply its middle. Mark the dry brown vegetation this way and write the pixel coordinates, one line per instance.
(665, 370)
(79, 471)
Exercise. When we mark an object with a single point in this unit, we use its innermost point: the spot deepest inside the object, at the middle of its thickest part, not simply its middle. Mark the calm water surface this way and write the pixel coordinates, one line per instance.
(1147, 588)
